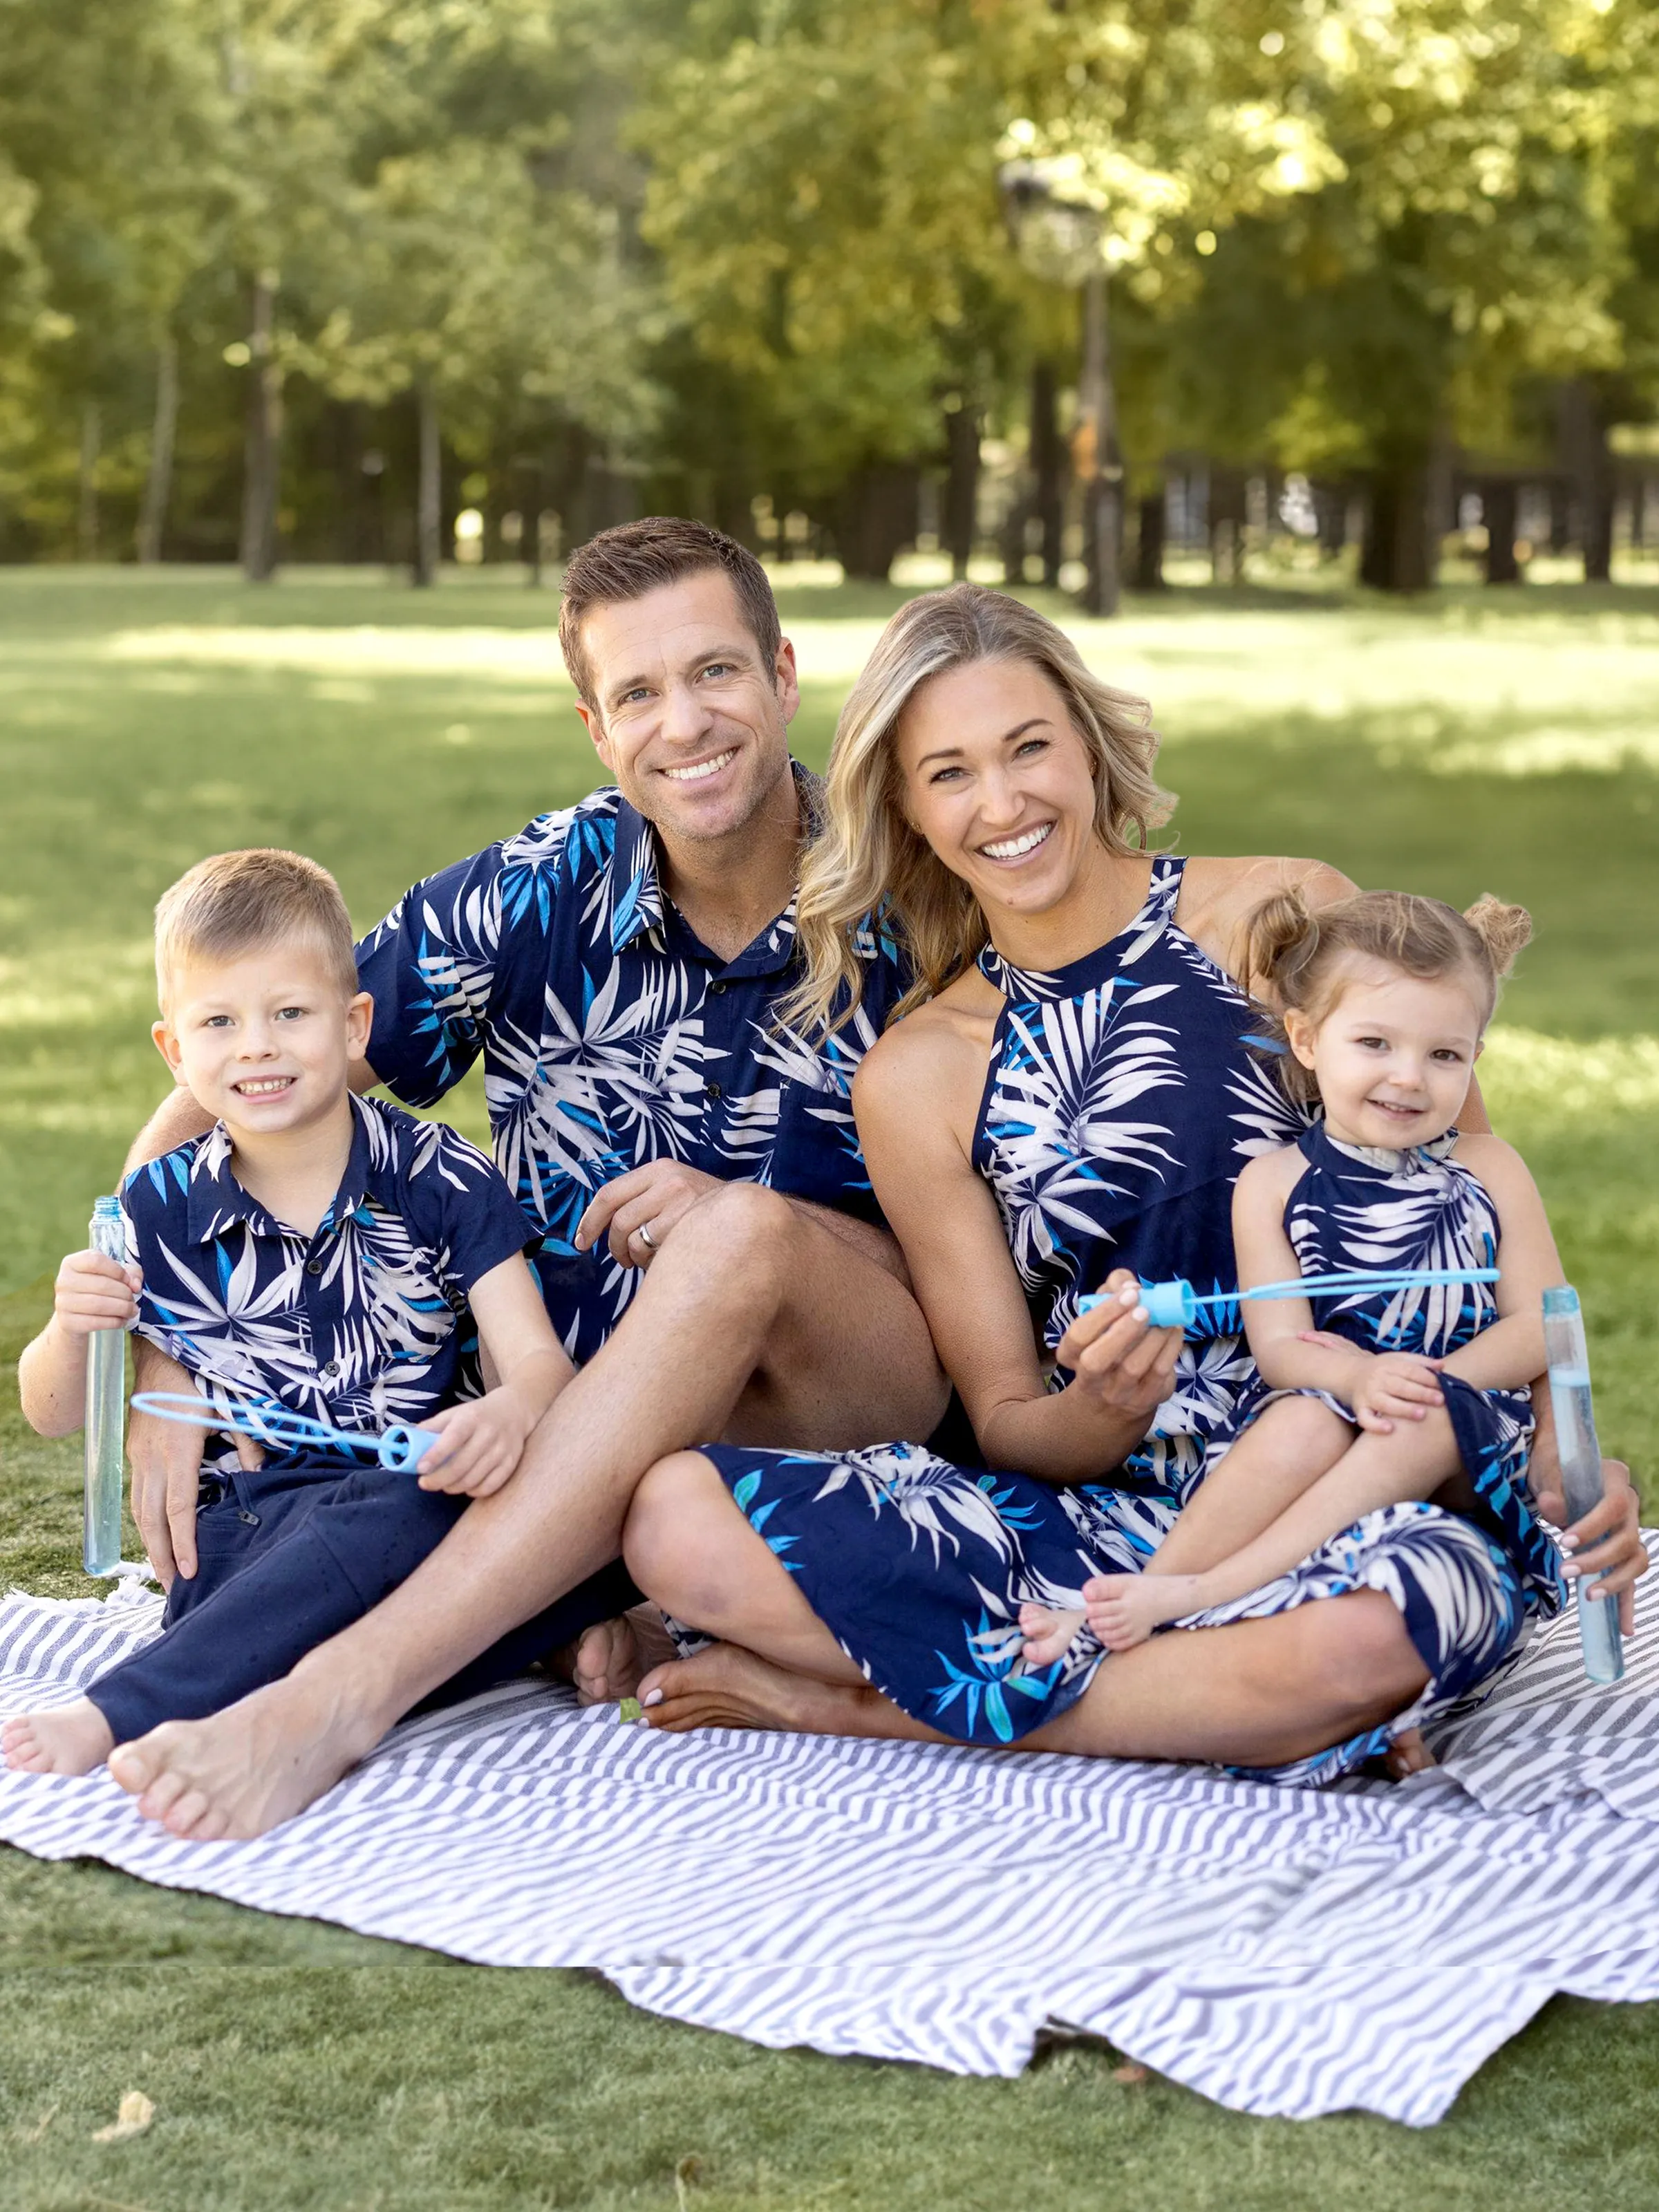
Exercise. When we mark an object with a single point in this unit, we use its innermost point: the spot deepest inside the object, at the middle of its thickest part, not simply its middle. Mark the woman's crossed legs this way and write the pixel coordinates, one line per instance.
(1259, 1692)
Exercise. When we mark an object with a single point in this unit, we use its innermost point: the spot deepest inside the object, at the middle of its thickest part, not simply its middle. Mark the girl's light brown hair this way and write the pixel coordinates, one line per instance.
(237, 903)
(1295, 954)
(867, 863)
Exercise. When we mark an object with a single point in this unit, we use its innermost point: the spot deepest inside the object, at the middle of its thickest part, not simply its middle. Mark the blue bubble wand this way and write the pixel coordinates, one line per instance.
(1174, 1306)
(400, 1449)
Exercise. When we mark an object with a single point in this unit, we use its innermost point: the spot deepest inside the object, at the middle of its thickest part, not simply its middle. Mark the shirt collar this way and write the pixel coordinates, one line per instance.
(216, 1200)
(637, 904)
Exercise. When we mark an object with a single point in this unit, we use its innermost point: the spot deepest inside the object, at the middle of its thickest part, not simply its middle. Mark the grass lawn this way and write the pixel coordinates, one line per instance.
(1503, 742)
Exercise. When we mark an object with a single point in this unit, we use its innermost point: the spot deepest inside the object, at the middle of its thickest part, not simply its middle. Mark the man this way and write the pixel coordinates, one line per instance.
(693, 1170)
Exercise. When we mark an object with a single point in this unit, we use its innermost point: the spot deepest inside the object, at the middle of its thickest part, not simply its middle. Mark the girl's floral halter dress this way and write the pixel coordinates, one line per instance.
(1121, 1101)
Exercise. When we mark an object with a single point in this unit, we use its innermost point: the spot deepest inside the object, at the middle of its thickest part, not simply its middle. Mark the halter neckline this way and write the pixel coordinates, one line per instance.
(1413, 1159)
(1149, 921)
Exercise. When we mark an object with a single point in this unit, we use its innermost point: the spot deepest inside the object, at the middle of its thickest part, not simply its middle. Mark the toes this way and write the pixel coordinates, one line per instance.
(185, 1815)
(133, 1767)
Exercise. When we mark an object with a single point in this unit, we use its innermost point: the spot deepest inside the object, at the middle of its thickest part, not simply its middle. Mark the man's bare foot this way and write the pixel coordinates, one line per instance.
(1409, 1755)
(67, 1740)
(244, 1771)
(726, 1686)
(1123, 1610)
(1048, 1630)
(605, 1662)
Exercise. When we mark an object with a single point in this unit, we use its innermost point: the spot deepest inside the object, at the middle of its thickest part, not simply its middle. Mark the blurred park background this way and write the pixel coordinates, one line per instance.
(1302, 358)
(1144, 289)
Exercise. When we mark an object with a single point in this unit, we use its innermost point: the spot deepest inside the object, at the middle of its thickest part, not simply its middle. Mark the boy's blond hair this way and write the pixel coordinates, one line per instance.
(237, 903)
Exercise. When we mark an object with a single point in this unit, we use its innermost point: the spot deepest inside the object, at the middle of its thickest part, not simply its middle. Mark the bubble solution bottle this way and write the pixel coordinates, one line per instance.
(1581, 1469)
(107, 1382)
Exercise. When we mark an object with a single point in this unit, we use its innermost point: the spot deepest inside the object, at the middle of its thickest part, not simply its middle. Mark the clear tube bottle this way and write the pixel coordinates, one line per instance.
(106, 1424)
(1568, 1355)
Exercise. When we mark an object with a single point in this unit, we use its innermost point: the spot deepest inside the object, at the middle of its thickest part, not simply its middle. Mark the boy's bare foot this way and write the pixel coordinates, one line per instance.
(244, 1771)
(1123, 1610)
(726, 1686)
(1409, 1755)
(65, 1739)
(1047, 1631)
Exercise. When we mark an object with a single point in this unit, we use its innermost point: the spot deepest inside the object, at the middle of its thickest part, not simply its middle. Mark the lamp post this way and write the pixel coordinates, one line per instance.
(1060, 236)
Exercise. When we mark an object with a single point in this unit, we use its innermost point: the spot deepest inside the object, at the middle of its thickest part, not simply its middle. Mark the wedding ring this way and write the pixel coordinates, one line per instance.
(643, 1233)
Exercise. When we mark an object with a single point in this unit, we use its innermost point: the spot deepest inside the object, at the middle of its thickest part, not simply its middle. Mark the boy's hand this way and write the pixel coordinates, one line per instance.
(480, 1445)
(1397, 1386)
(94, 1292)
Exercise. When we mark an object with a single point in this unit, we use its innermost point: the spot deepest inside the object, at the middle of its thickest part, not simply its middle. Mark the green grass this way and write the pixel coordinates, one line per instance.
(1473, 742)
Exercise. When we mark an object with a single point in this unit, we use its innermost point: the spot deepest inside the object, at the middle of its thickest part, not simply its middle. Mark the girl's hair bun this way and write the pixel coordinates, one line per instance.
(1502, 928)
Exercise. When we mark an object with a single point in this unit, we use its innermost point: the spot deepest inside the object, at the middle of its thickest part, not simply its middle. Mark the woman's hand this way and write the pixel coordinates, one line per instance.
(479, 1445)
(1119, 1364)
(94, 1292)
(1608, 1543)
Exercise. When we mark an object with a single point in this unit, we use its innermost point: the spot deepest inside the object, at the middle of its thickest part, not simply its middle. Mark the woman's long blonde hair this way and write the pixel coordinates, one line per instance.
(867, 867)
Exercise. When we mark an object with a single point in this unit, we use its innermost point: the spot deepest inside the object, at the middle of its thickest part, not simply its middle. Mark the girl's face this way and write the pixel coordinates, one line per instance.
(1393, 1056)
(997, 780)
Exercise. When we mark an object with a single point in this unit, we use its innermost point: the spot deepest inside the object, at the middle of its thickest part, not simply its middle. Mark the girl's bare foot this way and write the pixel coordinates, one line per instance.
(65, 1740)
(1409, 1755)
(1123, 1610)
(1048, 1630)
(605, 1661)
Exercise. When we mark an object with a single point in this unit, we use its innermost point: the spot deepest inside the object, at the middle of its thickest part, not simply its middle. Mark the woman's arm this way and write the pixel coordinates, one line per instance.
(916, 1098)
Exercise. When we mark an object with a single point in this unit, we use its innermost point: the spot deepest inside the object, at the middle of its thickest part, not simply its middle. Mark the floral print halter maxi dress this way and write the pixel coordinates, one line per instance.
(1121, 1103)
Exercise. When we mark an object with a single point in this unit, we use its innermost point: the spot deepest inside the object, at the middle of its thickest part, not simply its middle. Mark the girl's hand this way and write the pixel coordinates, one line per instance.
(1397, 1386)
(479, 1446)
(1121, 1365)
(94, 1292)
(1607, 1542)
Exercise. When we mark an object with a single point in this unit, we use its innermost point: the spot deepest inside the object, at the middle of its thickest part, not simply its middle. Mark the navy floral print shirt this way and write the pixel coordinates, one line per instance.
(611, 1036)
(362, 1324)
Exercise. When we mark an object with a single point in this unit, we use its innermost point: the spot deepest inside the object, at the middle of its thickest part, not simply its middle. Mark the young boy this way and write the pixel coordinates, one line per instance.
(327, 1253)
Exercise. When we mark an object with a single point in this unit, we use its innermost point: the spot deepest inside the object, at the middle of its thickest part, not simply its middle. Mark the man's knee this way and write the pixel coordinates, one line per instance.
(745, 1232)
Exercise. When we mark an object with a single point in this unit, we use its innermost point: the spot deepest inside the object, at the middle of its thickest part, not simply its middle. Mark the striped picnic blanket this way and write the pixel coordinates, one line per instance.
(1282, 1951)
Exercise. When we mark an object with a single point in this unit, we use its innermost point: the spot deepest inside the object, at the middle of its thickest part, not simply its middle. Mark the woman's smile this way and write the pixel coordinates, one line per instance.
(1015, 848)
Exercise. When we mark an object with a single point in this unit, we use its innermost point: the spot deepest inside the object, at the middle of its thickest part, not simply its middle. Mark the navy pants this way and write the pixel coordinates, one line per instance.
(286, 1557)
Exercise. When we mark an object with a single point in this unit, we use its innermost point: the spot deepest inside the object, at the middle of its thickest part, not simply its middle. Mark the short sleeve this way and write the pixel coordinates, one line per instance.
(155, 1199)
(466, 1212)
(430, 969)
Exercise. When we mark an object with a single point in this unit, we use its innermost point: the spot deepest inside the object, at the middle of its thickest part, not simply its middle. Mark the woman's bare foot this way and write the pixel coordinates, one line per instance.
(244, 1772)
(1409, 1755)
(65, 1739)
(726, 1686)
(1048, 1630)
(1123, 1610)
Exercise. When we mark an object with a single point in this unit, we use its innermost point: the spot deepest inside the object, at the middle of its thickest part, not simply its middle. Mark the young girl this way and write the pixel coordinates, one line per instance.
(1377, 1398)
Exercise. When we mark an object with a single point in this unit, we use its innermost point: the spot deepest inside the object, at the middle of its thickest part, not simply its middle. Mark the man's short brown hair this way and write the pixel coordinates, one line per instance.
(249, 901)
(637, 558)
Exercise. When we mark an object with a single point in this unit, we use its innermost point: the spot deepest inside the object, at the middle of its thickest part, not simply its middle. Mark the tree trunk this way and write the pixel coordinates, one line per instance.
(1225, 516)
(158, 484)
(86, 511)
(1396, 554)
(428, 493)
(875, 515)
(1096, 458)
(1048, 467)
(1583, 433)
(1149, 543)
(961, 487)
(1498, 504)
(262, 464)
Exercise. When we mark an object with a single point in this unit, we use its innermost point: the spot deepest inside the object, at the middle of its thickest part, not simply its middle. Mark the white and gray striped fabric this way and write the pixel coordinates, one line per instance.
(1288, 1952)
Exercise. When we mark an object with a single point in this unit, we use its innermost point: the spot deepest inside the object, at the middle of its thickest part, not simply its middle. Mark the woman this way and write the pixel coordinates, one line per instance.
(1068, 1105)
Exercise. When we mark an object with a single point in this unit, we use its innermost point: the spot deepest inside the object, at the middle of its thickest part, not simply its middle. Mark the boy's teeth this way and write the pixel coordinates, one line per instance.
(1009, 848)
(264, 1085)
(703, 769)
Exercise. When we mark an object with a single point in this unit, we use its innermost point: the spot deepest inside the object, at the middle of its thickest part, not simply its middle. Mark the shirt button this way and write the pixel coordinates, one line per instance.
(711, 1090)
(717, 990)
(330, 1370)
(313, 1266)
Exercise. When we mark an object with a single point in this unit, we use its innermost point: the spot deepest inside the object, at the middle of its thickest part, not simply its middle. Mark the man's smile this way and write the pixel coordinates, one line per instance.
(699, 769)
